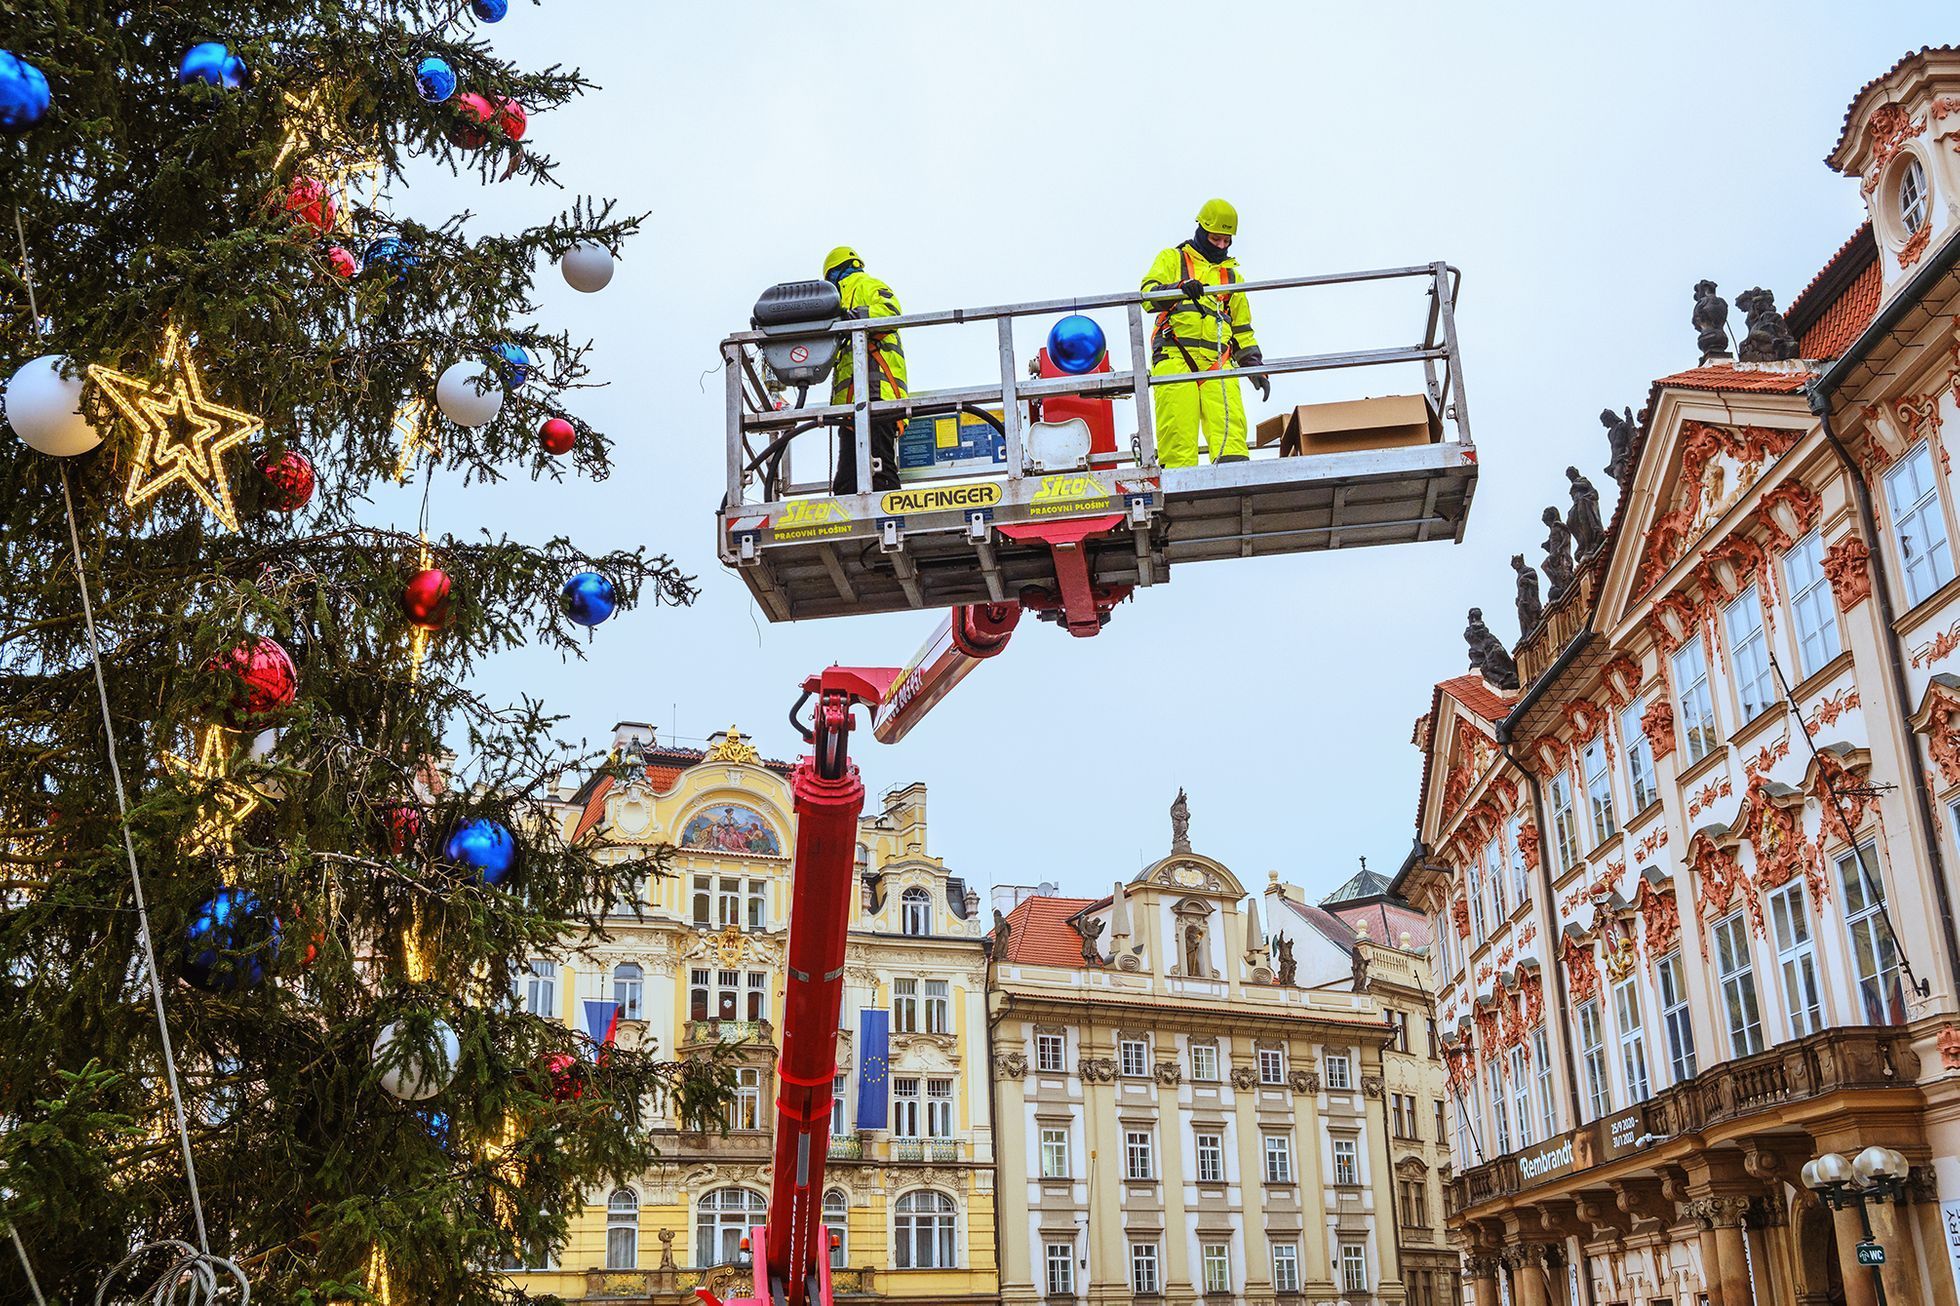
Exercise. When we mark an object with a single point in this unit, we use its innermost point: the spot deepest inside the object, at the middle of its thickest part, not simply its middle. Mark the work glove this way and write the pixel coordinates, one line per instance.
(1263, 384)
(1194, 290)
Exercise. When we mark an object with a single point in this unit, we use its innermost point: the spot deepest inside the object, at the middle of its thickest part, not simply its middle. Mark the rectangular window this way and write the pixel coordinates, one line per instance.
(697, 995)
(1639, 754)
(728, 901)
(728, 994)
(1818, 638)
(1565, 823)
(1338, 1075)
(1272, 1066)
(906, 1108)
(758, 995)
(1138, 1163)
(840, 1104)
(1520, 875)
(1347, 1165)
(1135, 1057)
(1473, 888)
(1500, 908)
(1061, 1269)
(905, 1006)
(1054, 1152)
(1592, 1055)
(1211, 1158)
(1441, 1115)
(1796, 959)
(1049, 1050)
(1674, 1016)
(758, 904)
(939, 1007)
(1918, 524)
(1398, 1030)
(1279, 1158)
(1633, 1040)
(745, 1108)
(704, 898)
(1354, 1267)
(939, 1108)
(1541, 1061)
(1696, 724)
(1749, 653)
(1143, 1270)
(1500, 1110)
(1204, 1062)
(1286, 1267)
(1521, 1095)
(1738, 986)
(537, 988)
(1874, 952)
(1415, 1205)
(1217, 1259)
(1599, 789)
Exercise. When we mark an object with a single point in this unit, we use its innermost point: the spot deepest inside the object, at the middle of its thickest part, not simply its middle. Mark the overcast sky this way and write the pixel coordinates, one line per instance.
(1583, 165)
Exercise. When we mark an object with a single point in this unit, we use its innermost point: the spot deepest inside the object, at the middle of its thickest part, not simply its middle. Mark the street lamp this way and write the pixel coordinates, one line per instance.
(1877, 1175)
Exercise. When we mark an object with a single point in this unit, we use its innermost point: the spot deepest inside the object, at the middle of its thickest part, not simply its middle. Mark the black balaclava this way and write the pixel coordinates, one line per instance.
(1201, 241)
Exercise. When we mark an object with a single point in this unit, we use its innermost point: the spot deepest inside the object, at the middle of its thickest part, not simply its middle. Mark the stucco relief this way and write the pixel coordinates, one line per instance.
(1718, 465)
(1657, 723)
(1787, 513)
(1581, 969)
(1938, 719)
(1528, 844)
(1097, 1070)
(1623, 679)
(1660, 915)
(1244, 1077)
(1847, 565)
(1010, 1065)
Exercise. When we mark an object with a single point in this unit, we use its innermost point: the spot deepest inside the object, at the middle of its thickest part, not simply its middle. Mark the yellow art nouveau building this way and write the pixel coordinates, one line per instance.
(909, 1192)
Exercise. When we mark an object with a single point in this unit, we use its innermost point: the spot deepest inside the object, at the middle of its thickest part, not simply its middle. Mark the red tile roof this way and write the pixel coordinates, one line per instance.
(1846, 316)
(1475, 693)
(1038, 932)
(1728, 376)
(1387, 923)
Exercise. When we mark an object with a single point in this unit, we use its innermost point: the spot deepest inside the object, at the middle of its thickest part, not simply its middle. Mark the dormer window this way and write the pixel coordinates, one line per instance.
(1912, 195)
(915, 912)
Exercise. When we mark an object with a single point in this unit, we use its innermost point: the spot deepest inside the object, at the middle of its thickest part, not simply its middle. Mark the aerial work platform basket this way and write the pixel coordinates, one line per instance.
(1035, 517)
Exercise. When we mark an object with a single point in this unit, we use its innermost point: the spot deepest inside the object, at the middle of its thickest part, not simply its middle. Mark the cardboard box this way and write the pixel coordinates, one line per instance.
(1387, 422)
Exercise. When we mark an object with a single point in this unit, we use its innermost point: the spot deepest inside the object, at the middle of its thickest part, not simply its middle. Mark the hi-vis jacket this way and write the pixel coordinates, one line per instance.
(1208, 331)
(866, 296)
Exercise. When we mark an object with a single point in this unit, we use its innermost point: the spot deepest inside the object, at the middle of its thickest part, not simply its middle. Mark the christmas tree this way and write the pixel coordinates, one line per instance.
(338, 843)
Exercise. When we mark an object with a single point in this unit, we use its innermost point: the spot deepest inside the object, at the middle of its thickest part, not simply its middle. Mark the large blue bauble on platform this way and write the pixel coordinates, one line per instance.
(1076, 344)
(491, 11)
(229, 941)
(435, 80)
(588, 598)
(24, 94)
(390, 254)
(516, 366)
(484, 846)
(212, 63)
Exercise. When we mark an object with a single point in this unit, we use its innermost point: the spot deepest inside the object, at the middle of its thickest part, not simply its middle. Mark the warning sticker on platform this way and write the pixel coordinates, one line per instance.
(1070, 492)
(940, 498)
(811, 519)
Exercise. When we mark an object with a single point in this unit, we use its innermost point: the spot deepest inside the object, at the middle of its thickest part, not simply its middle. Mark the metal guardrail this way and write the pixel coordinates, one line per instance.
(751, 409)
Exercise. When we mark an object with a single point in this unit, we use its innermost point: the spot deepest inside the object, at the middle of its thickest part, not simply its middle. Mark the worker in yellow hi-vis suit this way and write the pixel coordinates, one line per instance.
(866, 296)
(1197, 332)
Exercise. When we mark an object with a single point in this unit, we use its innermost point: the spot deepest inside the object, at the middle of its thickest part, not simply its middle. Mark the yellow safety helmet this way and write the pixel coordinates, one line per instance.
(838, 257)
(1219, 218)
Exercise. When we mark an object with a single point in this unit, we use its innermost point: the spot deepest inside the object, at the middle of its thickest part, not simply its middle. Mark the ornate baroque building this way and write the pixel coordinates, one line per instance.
(1692, 878)
(910, 1181)
(1179, 1117)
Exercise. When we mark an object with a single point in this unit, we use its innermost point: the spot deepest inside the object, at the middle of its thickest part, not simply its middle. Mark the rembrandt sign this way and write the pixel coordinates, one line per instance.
(1548, 1162)
(1605, 1140)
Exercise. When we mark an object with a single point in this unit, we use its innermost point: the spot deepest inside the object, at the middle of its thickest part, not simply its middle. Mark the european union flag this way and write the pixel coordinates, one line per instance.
(874, 1067)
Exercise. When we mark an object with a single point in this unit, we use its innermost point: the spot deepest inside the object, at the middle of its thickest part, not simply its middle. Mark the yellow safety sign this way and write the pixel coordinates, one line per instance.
(808, 519)
(1069, 492)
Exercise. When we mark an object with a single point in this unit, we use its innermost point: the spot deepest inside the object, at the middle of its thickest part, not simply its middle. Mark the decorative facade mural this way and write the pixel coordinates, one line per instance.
(731, 828)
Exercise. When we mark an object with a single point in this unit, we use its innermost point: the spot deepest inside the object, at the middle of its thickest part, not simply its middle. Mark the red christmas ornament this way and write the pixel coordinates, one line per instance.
(426, 599)
(309, 201)
(557, 436)
(342, 261)
(289, 480)
(266, 681)
(474, 106)
(567, 1077)
(404, 828)
(510, 117)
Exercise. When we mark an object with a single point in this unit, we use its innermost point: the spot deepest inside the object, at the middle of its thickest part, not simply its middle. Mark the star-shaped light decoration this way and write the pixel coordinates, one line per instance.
(216, 831)
(412, 423)
(180, 432)
(336, 156)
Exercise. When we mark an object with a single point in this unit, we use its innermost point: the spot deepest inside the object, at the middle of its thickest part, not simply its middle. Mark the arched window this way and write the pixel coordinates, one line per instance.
(722, 1219)
(623, 1230)
(1912, 195)
(923, 1232)
(836, 1219)
(915, 911)
(629, 986)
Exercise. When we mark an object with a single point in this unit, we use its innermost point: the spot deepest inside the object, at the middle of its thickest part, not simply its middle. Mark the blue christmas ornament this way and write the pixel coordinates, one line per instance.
(435, 80)
(491, 11)
(24, 94)
(389, 254)
(588, 598)
(484, 846)
(1076, 344)
(517, 364)
(229, 941)
(212, 63)
(437, 1125)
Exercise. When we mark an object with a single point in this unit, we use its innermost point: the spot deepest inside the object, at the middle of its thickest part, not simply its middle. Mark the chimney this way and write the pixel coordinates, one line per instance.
(632, 735)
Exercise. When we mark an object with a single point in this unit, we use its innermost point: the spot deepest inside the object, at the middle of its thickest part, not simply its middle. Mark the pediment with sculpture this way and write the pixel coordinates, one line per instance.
(1715, 468)
(1187, 873)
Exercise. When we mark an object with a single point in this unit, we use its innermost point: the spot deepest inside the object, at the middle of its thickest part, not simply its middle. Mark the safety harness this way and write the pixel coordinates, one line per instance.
(1217, 307)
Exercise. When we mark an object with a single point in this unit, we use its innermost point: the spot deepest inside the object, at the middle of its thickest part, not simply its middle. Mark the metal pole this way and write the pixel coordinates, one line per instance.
(732, 388)
(1865, 1221)
(861, 404)
(1447, 301)
(1010, 402)
(1140, 379)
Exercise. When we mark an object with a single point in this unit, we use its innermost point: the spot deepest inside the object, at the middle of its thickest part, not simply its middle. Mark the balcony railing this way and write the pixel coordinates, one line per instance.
(735, 1145)
(1862, 1057)
(725, 1281)
(924, 1149)
(1563, 621)
(846, 1147)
